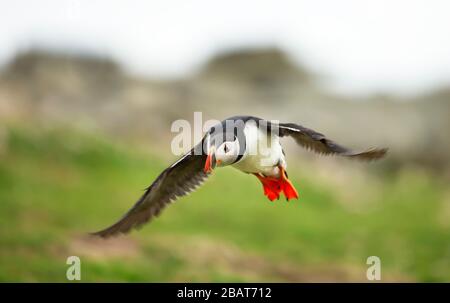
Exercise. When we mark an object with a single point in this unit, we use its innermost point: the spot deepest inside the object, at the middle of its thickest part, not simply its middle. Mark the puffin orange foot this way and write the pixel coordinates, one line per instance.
(272, 187)
(288, 189)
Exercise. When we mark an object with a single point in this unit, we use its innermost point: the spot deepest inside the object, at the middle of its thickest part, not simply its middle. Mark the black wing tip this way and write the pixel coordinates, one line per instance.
(115, 231)
(105, 234)
(119, 228)
(370, 154)
(378, 153)
(110, 232)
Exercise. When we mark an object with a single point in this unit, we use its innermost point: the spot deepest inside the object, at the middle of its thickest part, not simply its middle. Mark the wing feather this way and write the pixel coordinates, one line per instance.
(318, 143)
(178, 180)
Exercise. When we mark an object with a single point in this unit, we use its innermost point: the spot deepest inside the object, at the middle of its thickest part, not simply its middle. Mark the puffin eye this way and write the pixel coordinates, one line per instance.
(225, 148)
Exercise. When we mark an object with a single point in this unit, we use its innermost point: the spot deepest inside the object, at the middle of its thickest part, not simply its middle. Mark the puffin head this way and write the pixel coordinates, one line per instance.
(223, 154)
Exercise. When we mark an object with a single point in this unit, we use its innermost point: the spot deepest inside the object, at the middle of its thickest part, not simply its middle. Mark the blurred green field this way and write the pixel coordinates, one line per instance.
(57, 185)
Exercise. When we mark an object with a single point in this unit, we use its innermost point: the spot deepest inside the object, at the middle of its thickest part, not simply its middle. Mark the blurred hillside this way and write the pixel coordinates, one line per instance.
(96, 94)
(80, 138)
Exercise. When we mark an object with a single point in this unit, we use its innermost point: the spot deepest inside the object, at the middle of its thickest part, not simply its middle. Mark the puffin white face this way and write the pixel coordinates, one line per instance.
(227, 153)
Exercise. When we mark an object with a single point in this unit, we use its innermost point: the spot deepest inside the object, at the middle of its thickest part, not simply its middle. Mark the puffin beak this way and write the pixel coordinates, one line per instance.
(210, 163)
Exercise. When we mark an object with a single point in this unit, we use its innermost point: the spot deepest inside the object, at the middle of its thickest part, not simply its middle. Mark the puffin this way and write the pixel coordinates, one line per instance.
(247, 143)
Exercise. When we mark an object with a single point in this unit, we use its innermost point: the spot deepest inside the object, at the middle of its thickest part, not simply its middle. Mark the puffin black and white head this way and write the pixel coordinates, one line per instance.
(249, 144)
(225, 144)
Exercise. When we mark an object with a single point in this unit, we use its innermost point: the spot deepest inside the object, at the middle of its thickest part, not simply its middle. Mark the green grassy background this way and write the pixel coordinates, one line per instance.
(57, 185)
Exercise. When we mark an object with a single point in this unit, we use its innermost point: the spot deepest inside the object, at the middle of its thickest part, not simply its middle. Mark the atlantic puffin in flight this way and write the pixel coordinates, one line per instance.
(247, 143)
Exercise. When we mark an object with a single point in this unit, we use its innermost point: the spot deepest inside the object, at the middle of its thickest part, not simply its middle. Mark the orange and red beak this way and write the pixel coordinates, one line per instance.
(210, 163)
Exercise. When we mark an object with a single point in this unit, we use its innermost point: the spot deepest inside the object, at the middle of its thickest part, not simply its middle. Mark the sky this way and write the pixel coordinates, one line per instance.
(358, 46)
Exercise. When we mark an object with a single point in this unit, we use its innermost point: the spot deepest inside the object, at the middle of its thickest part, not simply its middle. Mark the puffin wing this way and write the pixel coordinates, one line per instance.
(318, 143)
(178, 180)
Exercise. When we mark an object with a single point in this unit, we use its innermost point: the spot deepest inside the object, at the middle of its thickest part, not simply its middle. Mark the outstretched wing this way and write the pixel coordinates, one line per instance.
(318, 143)
(178, 180)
